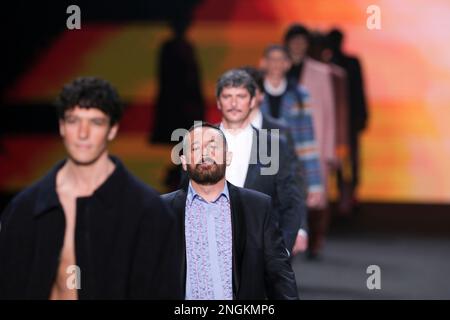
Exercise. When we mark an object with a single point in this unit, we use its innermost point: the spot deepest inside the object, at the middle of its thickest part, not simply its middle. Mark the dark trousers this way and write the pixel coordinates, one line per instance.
(318, 223)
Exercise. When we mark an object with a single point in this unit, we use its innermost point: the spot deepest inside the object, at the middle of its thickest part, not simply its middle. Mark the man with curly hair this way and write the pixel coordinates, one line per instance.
(89, 229)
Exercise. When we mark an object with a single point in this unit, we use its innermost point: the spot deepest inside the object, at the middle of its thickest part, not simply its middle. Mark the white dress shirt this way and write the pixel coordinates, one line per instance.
(240, 145)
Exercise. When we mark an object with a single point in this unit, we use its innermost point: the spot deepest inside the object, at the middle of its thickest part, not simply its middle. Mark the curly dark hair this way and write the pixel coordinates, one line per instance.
(90, 92)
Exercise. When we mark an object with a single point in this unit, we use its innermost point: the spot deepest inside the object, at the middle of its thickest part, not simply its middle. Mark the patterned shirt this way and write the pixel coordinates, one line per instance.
(299, 119)
(208, 247)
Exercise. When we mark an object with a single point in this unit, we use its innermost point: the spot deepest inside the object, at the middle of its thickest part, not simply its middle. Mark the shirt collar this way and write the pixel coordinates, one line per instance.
(108, 191)
(247, 130)
(192, 194)
(281, 89)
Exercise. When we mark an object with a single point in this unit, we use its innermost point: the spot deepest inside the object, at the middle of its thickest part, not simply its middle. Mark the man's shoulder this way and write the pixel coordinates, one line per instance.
(272, 123)
(137, 188)
(28, 196)
(25, 202)
(249, 195)
(338, 71)
(269, 132)
(45, 183)
(139, 198)
(168, 197)
(352, 58)
(317, 66)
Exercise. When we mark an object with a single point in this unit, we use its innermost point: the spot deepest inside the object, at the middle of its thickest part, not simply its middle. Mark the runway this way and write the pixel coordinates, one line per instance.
(414, 264)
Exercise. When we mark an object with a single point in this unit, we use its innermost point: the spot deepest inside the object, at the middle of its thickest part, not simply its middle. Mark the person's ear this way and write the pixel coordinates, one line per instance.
(253, 102)
(228, 157)
(219, 105)
(183, 162)
(113, 132)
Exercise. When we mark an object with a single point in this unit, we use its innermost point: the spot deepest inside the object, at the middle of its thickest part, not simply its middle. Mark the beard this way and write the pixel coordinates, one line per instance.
(206, 173)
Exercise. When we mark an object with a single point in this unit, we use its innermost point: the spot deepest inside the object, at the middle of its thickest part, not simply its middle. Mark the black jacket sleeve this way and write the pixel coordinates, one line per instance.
(15, 250)
(300, 178)
(291, 210)
(280, 280)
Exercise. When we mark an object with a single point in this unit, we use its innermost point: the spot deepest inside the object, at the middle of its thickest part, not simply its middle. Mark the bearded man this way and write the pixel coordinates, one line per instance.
(231, 247)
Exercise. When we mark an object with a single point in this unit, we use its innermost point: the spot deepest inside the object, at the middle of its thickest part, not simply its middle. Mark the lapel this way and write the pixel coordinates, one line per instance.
(179, 207)
(238, 230)
(265, 123)
(239, 236)
(254, 165)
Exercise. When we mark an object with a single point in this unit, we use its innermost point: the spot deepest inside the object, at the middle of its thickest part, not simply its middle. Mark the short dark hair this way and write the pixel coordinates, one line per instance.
(90, 92)
(319, 42)
(275, 47)
(294, 30)
(236, 78)
(204, 124)
(257, 76)
(335, 38)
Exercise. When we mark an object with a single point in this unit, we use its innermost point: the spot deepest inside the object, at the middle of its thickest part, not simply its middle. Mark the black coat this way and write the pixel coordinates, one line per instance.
(123, 241)
(261, 267)
(270, 123)
(283, 187)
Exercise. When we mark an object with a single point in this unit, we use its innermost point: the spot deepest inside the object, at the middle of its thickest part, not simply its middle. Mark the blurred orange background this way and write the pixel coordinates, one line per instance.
(406, 64)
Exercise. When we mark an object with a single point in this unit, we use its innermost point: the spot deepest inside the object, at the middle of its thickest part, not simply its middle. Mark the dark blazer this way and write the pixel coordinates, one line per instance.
(123, 240)
(270, 123)
(261, 267)
(282, 187)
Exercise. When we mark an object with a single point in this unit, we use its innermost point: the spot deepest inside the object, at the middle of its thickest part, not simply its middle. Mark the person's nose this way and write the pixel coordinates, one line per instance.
(83, 130)
(233, 101)
(205, 153)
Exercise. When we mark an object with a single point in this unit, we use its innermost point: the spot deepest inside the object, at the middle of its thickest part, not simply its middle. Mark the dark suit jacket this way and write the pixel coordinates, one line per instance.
(282, 187)
(270, 123)
(123, 240)
(261, 267)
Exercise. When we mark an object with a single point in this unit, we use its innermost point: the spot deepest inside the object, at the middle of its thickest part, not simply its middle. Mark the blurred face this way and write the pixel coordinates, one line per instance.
(297, 46)
(206, 157)
(327, 55)
(235, 104)
(276, 63)
(86, 133)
